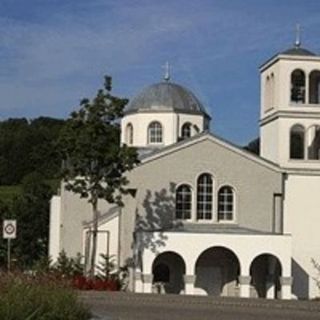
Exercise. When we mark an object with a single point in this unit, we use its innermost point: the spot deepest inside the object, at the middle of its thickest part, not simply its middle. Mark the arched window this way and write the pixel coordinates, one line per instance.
(314, 87)
(155, 132)
(297, 142)
(272, 86)
(267, 94)
(313, 135)
(129, 134)
(204, 197)
(183, 202)
(298, 86)
(186, 130)
(225, 204)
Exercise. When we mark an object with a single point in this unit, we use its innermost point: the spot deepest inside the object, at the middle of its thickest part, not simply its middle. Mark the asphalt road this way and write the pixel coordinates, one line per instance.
(133, 307)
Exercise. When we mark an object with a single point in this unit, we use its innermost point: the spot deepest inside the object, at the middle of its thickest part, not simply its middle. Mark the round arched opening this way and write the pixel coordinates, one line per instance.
(217, 270)
(265, 272)
(168, 271)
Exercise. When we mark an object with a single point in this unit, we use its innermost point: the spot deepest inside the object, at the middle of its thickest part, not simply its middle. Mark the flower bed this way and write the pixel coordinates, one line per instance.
(82, 283)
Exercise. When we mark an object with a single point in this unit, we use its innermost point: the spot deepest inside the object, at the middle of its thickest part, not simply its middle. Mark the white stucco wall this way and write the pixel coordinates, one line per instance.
(269, 137)
(302, 220)
(54, 230)
(107, 239)
(171, 126)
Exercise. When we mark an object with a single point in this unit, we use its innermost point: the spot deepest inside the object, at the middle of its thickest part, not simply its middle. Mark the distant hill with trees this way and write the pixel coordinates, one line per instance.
(28, 146)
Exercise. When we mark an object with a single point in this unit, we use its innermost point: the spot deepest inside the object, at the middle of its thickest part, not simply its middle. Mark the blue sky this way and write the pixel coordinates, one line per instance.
(55, 52)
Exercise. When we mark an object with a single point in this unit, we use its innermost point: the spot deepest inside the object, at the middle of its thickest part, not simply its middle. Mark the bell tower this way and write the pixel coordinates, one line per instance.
(290, 108)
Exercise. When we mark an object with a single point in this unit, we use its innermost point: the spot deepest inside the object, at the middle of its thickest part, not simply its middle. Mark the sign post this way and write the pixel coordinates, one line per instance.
(9, 232)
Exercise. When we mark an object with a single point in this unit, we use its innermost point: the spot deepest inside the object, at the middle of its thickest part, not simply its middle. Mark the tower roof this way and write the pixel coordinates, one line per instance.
(298, 51)
(166, 96)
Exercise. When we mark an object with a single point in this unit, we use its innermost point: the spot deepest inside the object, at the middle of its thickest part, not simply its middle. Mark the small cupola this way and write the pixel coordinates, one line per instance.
(162, 114)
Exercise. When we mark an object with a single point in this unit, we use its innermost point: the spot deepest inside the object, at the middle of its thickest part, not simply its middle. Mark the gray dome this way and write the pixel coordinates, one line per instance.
(297, 51)
(166, 96)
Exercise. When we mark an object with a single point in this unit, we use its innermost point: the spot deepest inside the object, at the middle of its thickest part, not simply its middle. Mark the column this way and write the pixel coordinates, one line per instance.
(244, 282)
(270, 287)
(147, 283)
(189, 284)
(286, 287)
(138, 284)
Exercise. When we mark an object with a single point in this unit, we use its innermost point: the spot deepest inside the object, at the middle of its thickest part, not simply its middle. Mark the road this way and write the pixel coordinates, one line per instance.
(120, 306)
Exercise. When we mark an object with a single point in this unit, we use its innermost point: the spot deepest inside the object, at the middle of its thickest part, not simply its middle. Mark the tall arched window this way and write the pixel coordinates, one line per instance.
(155, 132)
(298, 86)
(297, 142)
(314, 87)
(225, 204)
(204, 197)
(183, 202)
(313, 135)
(272, 94)
(267, 94)
(186, 130)
(129, 134)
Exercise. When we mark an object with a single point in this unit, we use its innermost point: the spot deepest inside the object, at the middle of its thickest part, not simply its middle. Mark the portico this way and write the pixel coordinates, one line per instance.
(218, 264)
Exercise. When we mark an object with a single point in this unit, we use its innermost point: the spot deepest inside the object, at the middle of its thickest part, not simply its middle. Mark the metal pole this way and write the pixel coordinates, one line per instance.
(9, 255)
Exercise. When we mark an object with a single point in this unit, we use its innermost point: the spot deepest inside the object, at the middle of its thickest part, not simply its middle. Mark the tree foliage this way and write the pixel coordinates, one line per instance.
(253, 146)
(31, 209)
(28, 146)
(94, 159)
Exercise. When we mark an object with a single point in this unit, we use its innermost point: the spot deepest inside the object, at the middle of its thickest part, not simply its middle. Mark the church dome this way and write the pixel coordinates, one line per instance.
(166, 96)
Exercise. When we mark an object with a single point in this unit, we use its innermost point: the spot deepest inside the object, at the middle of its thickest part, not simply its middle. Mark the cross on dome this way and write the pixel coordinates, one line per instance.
(167, 69)
(298, 36)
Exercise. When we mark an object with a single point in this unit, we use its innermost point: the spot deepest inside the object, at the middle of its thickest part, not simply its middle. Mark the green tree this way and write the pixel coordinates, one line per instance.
(31, 209)
(94, 160)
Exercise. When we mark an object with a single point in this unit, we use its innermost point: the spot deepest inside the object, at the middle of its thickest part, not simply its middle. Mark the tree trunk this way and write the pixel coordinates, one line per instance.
(94, 238)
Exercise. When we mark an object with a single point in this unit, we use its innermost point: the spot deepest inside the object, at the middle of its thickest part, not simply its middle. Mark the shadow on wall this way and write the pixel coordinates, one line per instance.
(156, 216)
(300, 287)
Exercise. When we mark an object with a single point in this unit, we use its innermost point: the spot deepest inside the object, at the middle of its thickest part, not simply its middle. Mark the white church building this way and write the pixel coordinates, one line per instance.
(205, 216)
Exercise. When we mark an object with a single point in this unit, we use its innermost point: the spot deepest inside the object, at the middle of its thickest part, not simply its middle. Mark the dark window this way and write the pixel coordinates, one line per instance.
(183, 202)
(298, 86)
(225, 204)
(186, 131)
(314, 87)
(297, 142)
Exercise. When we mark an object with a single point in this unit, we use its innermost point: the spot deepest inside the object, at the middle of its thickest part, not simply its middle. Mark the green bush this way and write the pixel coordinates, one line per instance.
(33, 298)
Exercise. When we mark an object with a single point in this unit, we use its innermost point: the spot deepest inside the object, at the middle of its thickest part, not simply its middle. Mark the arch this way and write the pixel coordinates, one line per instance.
(204, 196)
(155, 134)
(314, 87)
(298, 86)
(186, 130)
(297, 138)
(226, 203)
(129, 134)
(313, 135)
(183, 202)
(168, 271)
(265, 272)
(217, 270)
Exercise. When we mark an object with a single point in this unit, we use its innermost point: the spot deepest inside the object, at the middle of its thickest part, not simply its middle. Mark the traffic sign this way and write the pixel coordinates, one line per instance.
(9, 229)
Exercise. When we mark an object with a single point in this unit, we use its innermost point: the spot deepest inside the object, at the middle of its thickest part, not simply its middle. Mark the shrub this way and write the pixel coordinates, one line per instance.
(33, 298)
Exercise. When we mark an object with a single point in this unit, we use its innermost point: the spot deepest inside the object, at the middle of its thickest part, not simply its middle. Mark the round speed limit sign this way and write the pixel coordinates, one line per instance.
(9, 229)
